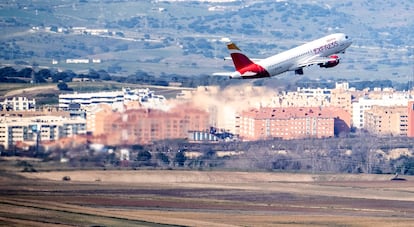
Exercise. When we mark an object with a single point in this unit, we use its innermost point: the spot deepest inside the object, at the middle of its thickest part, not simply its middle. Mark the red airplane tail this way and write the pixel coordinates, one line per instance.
(245, 68)
(240, 60)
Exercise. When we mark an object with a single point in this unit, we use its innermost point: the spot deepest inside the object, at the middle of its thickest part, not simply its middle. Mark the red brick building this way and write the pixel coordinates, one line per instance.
(142, 126)
(410, 111)
(291, 123)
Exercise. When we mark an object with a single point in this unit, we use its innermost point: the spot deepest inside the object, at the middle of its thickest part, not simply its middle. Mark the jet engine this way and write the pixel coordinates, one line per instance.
(330, 63)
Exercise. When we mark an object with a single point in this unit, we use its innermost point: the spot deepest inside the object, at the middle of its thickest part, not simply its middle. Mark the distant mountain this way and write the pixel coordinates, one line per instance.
(184, 37)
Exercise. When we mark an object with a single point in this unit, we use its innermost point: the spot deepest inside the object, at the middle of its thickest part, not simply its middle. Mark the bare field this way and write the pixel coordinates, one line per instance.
(193, 198)
(30, 90)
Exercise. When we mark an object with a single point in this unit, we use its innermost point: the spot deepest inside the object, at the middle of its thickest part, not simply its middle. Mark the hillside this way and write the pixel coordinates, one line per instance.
(184, 37)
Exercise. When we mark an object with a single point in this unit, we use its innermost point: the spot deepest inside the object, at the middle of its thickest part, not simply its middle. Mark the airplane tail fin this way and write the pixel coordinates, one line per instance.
(240, 60)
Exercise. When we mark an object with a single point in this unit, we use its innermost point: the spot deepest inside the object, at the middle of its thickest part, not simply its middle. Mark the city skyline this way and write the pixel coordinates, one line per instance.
(343, 108)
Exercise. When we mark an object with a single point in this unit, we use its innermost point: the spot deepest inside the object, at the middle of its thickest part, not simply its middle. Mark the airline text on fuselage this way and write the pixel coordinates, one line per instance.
(325, 47)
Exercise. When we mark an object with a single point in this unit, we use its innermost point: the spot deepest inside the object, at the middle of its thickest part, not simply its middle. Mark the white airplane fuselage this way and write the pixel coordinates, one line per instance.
(321, 52)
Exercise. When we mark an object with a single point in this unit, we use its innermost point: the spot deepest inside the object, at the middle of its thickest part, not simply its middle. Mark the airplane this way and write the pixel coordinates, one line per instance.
(322, 52)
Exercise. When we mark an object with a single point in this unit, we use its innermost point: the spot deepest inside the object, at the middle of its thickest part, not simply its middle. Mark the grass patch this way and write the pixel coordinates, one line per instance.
(6, 87)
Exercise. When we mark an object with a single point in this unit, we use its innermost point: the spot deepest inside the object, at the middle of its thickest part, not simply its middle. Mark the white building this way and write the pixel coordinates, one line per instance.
(364, 103)
(314, 92)
(90, 31)
(310, 97)
(146, 98)
(87, 99)
(29, 130)
(18, 104)
(343, 86)
(116, 99)
(77, 61)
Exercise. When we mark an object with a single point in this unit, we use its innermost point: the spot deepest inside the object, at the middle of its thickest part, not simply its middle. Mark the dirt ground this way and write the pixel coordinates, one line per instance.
(203, 198)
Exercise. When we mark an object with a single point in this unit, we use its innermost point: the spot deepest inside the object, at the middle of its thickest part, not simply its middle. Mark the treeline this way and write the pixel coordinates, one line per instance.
(367, 154)
(28, 75)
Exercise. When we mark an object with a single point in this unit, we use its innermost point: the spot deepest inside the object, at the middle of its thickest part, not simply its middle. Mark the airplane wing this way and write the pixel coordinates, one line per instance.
(317, 60)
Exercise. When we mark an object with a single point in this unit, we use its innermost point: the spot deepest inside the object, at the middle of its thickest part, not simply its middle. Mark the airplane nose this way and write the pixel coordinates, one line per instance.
(348, 41)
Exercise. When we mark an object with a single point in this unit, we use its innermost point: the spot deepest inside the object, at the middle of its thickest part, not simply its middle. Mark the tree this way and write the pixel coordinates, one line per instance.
(6, 72)
(58, 77)
(144, 156)
(93, 74)
(67, 75)
(41, 76)
(409, 166)
(25, 73)
(180, 158)
(404, 165)
(209, 158)
(120, 34)
(54, 28)
(164, 160)
(38, 79)
(63, 87)
(104, 75)
(143, 159)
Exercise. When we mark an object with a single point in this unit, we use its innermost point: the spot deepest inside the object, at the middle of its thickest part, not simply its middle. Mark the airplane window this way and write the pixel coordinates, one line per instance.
(346, 37)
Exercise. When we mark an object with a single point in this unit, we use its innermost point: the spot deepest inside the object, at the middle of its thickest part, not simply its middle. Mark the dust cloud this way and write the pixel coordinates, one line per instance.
(224, 104)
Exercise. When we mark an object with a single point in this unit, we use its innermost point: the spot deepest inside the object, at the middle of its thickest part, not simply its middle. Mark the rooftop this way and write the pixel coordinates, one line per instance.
(287, 112)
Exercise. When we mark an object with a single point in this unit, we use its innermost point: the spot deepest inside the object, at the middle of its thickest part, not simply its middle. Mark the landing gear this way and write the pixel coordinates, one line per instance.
(299, 71)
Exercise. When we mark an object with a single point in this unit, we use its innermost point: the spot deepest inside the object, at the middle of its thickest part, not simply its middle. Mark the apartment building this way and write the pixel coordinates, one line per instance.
(341, 96)
(116, 99)
(49, 111)
(410, 115)
(142, 126)
(29, 130)
(97, 114)
(387, 120)
(363, 104)
(303, 97)
(17, 104)
(341, 99)
(286, 123)
(86, 99)
(225, 105)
